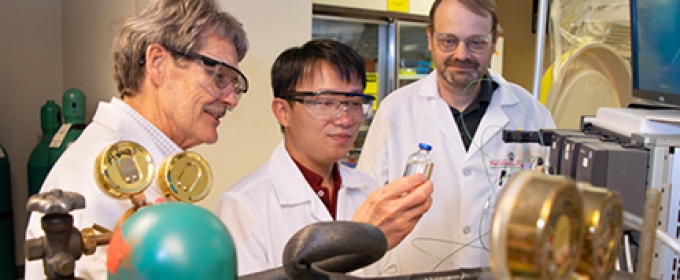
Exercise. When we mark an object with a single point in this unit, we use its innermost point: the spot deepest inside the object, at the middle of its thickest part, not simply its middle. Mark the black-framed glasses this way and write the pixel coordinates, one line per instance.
(221, 73)
(448, 42)
(327, 105)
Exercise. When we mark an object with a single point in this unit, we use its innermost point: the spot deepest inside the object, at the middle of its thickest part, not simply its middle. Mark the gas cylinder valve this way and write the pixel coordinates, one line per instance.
(62, 244)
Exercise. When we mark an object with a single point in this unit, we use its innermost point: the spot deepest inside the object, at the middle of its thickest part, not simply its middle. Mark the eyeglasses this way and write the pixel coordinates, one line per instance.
(222, 74)
(476, 44)
(325, 105)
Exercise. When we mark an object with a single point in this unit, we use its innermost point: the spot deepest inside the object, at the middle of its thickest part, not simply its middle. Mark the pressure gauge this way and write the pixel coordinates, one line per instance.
(537, 228)
(185, 176)
(124, 169)
(603, 213)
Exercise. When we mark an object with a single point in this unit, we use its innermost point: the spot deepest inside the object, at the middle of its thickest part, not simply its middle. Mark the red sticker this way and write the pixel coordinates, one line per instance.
(118, 249)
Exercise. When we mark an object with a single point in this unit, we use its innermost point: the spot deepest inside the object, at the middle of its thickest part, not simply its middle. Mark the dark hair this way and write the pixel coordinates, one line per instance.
(182, 24)
(479, 7)
(297, 63)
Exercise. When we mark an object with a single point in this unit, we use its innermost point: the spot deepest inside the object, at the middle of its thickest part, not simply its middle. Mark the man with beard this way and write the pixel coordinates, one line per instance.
(174, 89)
(460, 109)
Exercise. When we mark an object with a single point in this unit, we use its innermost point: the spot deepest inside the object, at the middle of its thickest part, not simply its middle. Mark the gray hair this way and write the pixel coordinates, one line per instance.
(180, 24)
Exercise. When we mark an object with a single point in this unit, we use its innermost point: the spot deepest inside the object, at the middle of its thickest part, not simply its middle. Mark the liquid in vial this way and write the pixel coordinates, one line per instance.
(420, 161)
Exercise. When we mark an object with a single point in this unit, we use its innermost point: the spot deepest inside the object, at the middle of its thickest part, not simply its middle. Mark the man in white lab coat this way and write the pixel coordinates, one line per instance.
(320, 105)
(460, 109)
(175, 87)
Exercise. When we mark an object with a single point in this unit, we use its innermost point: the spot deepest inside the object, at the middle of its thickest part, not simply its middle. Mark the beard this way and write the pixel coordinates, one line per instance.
(461, 80)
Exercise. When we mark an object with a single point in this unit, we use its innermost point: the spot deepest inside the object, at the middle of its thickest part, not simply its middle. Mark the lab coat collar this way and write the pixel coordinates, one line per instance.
(289, 183)
(350, 182)
(491, 124)
(506, 91)
(428, 88)
(495, 118)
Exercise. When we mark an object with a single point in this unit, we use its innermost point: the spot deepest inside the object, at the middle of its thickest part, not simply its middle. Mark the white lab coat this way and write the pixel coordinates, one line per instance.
(463, 181)
(265, 208)
(74, 172)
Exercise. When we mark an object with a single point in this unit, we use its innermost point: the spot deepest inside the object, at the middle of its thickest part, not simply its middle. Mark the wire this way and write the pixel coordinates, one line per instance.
(459, 249)
(494, 184)
(444, 259)
(485, 155)
(526, 107)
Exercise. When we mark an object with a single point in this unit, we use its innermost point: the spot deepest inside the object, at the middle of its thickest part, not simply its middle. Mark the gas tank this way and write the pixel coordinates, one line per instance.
(7, 261)
(73, 109)
(40, 163)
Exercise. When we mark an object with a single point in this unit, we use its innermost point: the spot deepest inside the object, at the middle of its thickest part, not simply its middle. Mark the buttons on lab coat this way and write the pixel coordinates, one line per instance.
(466, 230)
(320, 193)
(467, 172)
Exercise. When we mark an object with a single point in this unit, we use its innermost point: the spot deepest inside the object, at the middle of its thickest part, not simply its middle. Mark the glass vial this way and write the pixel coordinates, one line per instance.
(420, 161)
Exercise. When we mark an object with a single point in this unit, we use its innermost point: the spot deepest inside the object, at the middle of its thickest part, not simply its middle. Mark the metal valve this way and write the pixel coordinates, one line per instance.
(62, 244)
(55, 202)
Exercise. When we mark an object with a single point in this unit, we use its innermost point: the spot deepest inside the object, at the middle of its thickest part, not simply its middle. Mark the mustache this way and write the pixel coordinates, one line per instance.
(461, 63)
(216, 108)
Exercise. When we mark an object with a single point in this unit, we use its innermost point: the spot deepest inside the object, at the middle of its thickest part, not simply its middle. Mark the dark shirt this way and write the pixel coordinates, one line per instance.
(472, 116)
(328, 197)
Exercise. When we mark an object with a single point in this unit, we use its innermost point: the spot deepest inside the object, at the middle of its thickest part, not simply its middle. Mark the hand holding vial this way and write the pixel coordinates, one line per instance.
(397, 207)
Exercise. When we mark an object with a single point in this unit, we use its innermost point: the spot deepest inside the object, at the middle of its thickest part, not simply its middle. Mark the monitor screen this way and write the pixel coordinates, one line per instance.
(655, 26)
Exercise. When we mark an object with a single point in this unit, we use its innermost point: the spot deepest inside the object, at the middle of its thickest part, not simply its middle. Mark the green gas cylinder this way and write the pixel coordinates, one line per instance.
(39, 163)
(73, 109)
(7, 262)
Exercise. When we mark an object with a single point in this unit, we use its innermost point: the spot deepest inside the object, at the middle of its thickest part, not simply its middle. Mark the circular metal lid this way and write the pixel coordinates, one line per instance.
(123, 169)
(185, 176)
(604, 223)
(537, 228)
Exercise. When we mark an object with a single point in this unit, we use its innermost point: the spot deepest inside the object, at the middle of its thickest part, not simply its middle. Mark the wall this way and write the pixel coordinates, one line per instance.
(519, 42)
(30, 74)
(250, 133)
(88, 29)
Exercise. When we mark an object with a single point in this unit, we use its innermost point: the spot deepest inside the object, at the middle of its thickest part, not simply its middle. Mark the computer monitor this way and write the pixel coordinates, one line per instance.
(655, 34)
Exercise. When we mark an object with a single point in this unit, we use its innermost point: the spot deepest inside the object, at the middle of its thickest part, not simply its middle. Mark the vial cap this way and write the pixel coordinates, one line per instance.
(425, 146)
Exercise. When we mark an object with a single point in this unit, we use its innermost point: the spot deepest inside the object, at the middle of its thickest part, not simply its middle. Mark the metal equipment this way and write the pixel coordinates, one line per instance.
(62, 244)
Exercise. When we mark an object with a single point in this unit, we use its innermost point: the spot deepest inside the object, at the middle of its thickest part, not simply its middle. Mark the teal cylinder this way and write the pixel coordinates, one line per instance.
(172, 240)
(74, 111)
(39, 162)
(73, 106)
(7, 260)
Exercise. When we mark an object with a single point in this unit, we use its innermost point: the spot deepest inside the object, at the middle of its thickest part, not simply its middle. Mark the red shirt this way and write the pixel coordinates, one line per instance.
(328, 197)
